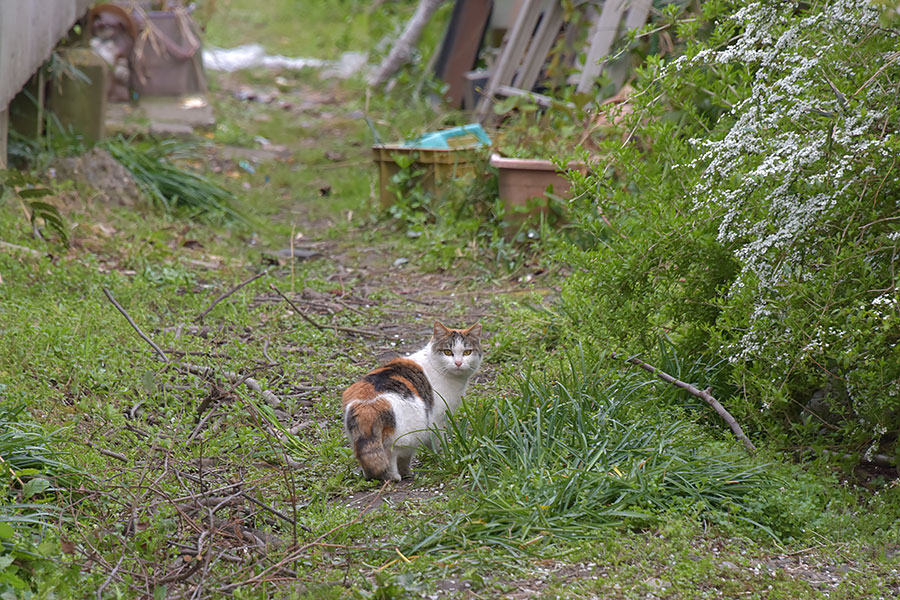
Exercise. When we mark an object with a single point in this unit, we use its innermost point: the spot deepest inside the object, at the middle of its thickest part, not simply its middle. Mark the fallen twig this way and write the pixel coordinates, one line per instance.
(228, 293)
(201, 424)
(19, 248)
(320, 326)
(704, 395)
(250, 498)
(877, 460)
(205, 372)
(106, 452)
(131, 322)
(181, 574)
(299, 551)
(233, 378)
(111, 574)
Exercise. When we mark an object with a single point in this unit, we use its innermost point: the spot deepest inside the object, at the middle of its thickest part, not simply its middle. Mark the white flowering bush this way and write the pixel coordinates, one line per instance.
(751, 213)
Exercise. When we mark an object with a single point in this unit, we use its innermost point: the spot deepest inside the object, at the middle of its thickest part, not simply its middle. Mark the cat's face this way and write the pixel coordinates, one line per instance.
(457, 351)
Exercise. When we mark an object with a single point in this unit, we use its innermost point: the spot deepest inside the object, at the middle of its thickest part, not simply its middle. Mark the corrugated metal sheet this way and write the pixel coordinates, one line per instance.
(29, 30)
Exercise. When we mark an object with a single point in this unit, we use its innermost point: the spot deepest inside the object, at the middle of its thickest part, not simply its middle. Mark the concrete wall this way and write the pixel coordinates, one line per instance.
(29, 30)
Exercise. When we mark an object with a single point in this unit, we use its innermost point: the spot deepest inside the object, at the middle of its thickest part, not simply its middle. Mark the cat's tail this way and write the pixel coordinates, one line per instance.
(368, 424)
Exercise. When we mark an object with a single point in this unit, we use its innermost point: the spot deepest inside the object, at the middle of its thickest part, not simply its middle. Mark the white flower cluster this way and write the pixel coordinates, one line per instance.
(794, 147)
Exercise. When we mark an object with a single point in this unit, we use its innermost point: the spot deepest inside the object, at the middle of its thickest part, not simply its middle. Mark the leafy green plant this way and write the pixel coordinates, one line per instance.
(465, 220)
(18, 184)
(533, 131)
(172, 188)
(28, 468)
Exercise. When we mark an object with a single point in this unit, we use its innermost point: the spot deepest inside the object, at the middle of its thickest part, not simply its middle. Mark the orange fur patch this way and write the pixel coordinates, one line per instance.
(368, 412)
(361, 390)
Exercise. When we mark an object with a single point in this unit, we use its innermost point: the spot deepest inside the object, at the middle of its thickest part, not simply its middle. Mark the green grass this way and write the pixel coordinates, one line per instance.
(309, 28)
(575, 479)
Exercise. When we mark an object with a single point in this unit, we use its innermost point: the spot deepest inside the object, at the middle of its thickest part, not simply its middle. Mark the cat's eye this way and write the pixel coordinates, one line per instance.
(448, 352)
(467, 352)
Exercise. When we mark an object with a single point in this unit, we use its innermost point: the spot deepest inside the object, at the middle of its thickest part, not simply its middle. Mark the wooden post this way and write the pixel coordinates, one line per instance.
(4, 133)
(513, 48)
(619, 69)
(604, 34)
(540, 46)
(459, 49)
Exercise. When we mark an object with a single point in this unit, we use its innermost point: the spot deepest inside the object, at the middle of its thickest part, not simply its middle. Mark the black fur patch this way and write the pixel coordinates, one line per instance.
(388, 420)
(350, 420)
(368, 445)
(389, 379)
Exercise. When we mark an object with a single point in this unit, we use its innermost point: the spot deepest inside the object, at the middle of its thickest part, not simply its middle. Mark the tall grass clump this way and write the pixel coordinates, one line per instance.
(29, 476)
(171, 187)
(587, 450)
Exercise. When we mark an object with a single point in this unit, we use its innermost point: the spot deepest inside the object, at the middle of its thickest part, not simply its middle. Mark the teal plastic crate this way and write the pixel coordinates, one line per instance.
(464, 136)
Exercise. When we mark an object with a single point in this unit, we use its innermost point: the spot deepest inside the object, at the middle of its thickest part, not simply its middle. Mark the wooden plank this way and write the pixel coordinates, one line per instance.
(513, 47)
(635, 19)
(604, 34)
(540, 46)
(637, 14)
(459, 50)
(539, 99)
(4, 135)
(28, 33)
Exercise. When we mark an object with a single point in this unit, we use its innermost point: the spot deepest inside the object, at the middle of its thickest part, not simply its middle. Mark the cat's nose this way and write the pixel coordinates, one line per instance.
(458, 362)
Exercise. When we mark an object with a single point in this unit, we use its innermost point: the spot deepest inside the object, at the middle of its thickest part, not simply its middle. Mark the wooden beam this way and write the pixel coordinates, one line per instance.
(513, 47)
(539, 99)
(635, 19)
(540, 46)
(459, 50)
(4, 134)
(604, 34)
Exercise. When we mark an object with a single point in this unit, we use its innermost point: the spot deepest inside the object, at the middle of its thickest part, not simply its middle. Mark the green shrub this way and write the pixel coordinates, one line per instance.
(463, 219)
(747, 210)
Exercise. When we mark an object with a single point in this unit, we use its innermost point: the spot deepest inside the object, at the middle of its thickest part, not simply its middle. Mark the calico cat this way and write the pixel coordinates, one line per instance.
(387, 414)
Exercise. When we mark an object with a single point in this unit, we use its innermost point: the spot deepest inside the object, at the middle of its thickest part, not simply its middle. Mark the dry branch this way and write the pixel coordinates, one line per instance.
(106, 452)
(299, 551)
(134, 326)
(205, 372)
(320, 326)
(406, 43)
(704, 395)
(23, 249)
(253, 500)
(228, 293)
(233, 378)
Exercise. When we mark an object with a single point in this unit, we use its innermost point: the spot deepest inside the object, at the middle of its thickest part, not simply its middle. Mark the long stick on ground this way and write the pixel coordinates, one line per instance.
(204, 372)
(228, 293)
(321, 326)
(134, 326)
(703, 394)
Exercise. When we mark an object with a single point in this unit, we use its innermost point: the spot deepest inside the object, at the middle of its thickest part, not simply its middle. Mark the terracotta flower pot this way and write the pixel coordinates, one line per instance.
(524, 180)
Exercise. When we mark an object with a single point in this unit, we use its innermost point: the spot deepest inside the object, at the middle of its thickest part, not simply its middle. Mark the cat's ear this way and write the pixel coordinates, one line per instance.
(474, 330)
(440, 330)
